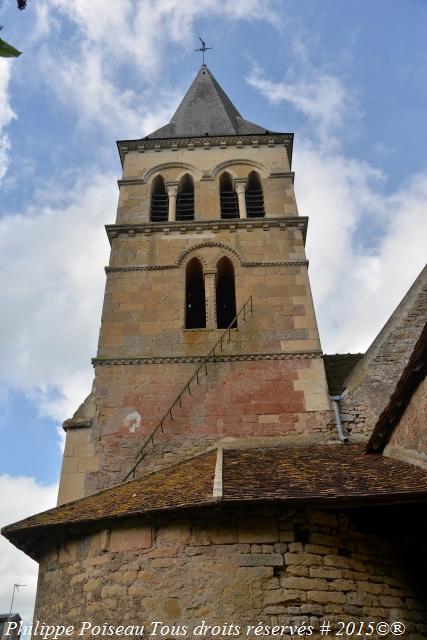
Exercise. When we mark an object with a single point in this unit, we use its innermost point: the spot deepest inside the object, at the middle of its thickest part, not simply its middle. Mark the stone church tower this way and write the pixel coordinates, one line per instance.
(218, 474)
(207, 221)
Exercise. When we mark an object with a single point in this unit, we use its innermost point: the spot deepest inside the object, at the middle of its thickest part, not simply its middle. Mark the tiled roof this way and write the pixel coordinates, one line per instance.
(338, 367)
(206, 110)
(317, 475)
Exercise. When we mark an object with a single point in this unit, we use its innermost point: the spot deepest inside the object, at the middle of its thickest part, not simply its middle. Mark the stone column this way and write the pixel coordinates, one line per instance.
(240, 187)
(172, 189)
(210, 299)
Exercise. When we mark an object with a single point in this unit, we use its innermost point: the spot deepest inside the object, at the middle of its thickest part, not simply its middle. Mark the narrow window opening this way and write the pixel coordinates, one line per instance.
(159, 201)
(228, 197)
(254, 196)
(195, 307)
(225, 294)
(185, 200)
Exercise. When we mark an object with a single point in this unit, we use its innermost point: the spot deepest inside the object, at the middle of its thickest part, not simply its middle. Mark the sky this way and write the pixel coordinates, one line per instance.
(348, 78)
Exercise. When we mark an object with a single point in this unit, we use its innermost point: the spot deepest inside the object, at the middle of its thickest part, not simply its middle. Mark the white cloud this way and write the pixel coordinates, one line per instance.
(321, 97)
(122, 113)
(20, 497)
(357, 288)
(84, 71)
(52, 281)
(141, 32)
(52, 252)
(6, 113)
(366, 247)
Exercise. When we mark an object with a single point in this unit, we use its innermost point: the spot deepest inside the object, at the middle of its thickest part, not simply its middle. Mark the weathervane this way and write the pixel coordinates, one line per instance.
(203, 48)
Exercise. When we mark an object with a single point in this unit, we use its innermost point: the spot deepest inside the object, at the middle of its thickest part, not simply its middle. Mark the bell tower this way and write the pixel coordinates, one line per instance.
(207, 244)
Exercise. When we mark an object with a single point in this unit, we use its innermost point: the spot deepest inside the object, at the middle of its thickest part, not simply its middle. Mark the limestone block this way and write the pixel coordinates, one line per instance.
(258, 530)
(284, 596)
(67, 552)
(113, 590)
(325, 572)
(131, 539)
(261, 559)
(216, 532)
(176, 532)
(88, 463)
(326, 597)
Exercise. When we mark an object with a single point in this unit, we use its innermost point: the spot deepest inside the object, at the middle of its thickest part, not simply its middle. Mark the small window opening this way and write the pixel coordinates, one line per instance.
(228, 197)
(159, 201)
(254, 196)
(185, 199)
(225, 294)
(195, 307)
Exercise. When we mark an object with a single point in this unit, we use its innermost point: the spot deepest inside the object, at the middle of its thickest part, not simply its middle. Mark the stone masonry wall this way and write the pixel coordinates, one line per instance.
(409, 439)
(374, 378)
(265, 564)
(237, 399)
(205, 165)
(144, 304)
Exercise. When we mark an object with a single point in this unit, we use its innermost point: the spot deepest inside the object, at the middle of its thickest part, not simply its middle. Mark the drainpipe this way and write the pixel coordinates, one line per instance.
(337, 410)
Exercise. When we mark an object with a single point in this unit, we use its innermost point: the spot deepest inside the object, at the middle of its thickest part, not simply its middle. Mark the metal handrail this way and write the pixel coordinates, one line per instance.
(210, 357)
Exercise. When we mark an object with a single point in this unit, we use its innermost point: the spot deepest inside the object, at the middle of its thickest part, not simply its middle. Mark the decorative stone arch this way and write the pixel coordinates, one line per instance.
(159, 202)
(195, 296)
(189, 256)
(184, 167)
(210, 273)
(225, 298)
(254, 195)
(228, 164)
(209, 244)
(185, 197)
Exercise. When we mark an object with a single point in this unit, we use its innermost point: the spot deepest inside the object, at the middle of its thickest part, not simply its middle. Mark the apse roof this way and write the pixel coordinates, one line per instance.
(332, 475)
(206, 110)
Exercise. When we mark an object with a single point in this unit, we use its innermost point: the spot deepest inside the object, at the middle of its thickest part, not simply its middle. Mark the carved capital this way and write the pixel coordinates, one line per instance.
(172, 189)
(240, 186)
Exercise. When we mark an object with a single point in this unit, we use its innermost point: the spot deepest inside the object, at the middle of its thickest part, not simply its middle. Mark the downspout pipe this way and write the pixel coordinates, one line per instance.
(337, 410)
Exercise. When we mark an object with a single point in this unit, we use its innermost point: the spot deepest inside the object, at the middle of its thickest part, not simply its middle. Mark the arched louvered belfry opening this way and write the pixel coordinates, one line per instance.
(228, 197)
(159, 200)
(195, 306)
(185, 199)
(225, 294)
(254, 196)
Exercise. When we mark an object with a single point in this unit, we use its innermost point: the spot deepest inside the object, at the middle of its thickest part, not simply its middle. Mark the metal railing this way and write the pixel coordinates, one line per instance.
(210, 357)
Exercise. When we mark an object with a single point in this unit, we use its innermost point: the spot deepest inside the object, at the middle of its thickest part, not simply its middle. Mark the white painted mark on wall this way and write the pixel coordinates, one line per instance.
(133, 420)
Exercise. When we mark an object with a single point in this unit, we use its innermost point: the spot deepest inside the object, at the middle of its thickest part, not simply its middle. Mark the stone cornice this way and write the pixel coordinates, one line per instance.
(159, 267)
(132, 181)
(206, 142)
(198, 226)
(139, 360)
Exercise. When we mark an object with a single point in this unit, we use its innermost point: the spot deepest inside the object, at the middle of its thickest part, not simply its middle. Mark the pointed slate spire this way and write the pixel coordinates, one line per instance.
(206, 110)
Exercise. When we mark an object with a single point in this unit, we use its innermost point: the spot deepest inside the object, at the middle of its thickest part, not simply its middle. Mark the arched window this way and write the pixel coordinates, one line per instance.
(228, 197)
(159, 201)
(254, 196)
(185, 200)
(195, 309)
(225, 294)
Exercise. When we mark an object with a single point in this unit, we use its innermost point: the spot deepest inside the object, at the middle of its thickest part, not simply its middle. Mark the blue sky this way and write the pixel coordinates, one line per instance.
(347, 77)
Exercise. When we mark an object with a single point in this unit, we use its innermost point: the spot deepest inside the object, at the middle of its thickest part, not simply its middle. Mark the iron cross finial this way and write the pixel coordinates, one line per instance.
(203, 48)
